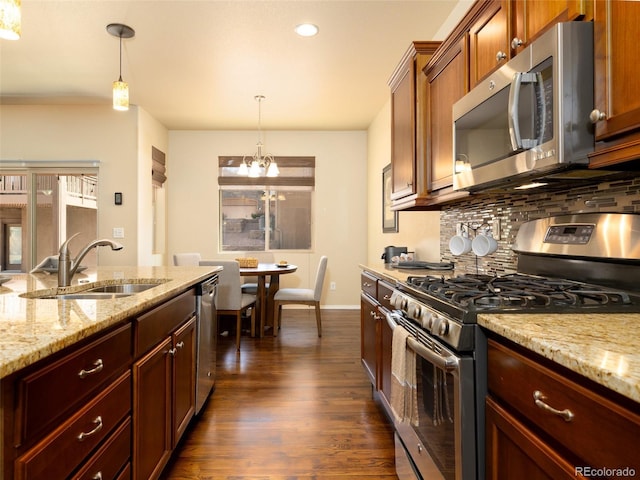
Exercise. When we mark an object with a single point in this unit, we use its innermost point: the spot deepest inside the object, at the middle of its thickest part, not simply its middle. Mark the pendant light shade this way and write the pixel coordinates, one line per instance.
(10, 19)
(258, 164)
(120, 88)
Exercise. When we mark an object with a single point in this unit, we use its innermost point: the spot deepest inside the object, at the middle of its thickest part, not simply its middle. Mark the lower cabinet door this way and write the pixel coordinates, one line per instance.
(152, 411)
(513, 451)
(184, 368)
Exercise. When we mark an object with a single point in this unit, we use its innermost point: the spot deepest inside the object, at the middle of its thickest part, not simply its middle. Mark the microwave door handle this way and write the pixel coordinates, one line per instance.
(542, 106)
(512, 108)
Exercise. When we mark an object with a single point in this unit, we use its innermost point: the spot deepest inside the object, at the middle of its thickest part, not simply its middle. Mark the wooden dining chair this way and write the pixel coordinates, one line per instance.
(186, 259)
(230, 299)
(303, 296)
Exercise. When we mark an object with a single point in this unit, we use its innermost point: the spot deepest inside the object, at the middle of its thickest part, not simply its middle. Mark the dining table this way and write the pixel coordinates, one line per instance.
(264, 295)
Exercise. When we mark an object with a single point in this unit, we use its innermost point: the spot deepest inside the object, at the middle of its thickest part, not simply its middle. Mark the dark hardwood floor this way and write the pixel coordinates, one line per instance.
(291, 407)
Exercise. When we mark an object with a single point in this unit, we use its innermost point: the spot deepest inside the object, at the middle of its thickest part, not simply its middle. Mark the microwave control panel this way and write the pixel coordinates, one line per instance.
(570, 234)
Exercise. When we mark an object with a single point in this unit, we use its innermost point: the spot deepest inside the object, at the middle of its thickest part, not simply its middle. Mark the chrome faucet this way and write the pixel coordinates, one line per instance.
(67, 268)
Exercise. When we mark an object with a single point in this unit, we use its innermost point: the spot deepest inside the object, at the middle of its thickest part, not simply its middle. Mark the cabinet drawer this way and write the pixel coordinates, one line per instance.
(59, 388)
(369, 284)
(384, 294)
(154, 326)
(58, 454)
(111, 458)
(597, 430)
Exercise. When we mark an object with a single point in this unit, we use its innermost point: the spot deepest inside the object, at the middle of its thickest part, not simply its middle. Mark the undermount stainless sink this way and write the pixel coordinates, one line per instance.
(86, 296)
(125, 288)
(102, 292)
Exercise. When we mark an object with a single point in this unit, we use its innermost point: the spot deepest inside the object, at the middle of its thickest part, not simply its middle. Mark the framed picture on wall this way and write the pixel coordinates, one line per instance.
(389, 217)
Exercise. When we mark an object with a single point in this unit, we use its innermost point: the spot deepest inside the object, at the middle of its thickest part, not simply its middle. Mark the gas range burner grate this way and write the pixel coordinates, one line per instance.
(517, 291)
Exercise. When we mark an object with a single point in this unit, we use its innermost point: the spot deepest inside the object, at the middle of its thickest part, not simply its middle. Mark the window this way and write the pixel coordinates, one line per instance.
(41, 206)
(266, 213)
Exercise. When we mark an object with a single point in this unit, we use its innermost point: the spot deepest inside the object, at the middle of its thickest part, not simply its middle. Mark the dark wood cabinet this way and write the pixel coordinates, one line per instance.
(408, 126)
(544, 421)
(152, 411)
(164, 383)
(447, 82)
(369, 324)
(376, 335)
(184, 376)
(617, 83)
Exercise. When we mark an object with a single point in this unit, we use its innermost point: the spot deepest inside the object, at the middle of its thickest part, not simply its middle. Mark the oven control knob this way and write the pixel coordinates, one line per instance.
(443, 327)
(427, 320)
(417, 311)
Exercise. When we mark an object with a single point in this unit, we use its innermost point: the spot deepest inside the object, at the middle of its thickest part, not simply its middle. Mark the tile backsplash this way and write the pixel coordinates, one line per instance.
(511, 210)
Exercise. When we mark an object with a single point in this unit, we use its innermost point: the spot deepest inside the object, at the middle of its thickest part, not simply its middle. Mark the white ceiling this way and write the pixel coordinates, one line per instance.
(198, 64)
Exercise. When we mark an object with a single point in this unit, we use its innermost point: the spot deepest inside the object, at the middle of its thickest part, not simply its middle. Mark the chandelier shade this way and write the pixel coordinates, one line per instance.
(120, 88)
(259, 164)
(10, 19)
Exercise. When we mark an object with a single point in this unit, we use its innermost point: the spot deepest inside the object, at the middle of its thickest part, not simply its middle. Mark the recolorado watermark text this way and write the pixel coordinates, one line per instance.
(626, 472)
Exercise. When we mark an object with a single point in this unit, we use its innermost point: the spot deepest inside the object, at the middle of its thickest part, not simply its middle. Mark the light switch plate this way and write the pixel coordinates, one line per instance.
(118, 232)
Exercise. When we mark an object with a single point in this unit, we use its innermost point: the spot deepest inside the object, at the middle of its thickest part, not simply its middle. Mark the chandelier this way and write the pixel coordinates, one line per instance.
(257, 164)
(10, 19)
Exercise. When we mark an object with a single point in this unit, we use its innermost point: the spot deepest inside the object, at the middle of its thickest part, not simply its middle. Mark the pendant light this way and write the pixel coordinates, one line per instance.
(10, 19)
(255, 165)
(120, 88)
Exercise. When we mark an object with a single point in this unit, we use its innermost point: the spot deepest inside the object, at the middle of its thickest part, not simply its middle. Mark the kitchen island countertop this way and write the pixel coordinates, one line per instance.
(601, 347)
(32, 329)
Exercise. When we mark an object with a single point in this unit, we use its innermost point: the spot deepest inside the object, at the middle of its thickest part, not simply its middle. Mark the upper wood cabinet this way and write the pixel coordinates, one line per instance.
(489, 39)
(529, 18)
(617, 83)
(408, 123)
(502, 28)
(446, 84)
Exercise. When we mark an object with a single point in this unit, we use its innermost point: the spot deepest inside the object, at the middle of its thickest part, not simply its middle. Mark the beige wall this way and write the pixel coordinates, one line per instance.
(419, 231)
(339, 202)
(115, 140)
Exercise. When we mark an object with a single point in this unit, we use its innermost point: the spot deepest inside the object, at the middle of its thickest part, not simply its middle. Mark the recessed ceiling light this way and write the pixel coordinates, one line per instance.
(306, 29)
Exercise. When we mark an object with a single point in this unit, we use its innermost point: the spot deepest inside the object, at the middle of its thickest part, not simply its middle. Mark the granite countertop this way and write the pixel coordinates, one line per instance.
(394, 274)
(601, 347)
(32, 329)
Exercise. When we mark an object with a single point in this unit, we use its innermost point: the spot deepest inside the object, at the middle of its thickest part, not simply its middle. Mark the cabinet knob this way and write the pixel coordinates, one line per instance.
(596, 116)
(516, 42)
(180, 345)
(500, 56)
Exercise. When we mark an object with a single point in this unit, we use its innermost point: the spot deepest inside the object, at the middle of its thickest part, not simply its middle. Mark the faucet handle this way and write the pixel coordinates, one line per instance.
(64, 248)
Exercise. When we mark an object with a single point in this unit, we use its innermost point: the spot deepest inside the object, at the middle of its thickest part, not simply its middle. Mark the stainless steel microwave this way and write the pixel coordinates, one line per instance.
(529, 120)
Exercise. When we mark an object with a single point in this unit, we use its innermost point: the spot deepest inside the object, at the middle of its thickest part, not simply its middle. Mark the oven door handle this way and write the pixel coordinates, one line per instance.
(447, 363)
(390, 319)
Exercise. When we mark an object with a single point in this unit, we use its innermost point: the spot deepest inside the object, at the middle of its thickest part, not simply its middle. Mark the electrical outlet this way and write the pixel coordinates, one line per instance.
(332, 286)
(496, 228)
(458, 229)
(118, 232)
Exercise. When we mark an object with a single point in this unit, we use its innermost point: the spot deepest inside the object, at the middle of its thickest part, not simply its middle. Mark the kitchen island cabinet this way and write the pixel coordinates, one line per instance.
(543, 421)
(77, 409)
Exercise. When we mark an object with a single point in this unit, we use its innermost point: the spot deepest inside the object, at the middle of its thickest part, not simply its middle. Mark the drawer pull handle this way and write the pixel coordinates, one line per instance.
(98, 427)
(386, 297)
(98, 366)
(538, 398)
(97, 476)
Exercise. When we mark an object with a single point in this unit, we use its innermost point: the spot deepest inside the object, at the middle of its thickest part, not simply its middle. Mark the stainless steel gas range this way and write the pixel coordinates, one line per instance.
(572, 263)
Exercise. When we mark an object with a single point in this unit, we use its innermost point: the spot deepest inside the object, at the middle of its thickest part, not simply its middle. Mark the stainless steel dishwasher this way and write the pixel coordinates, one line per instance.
(206, 332)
